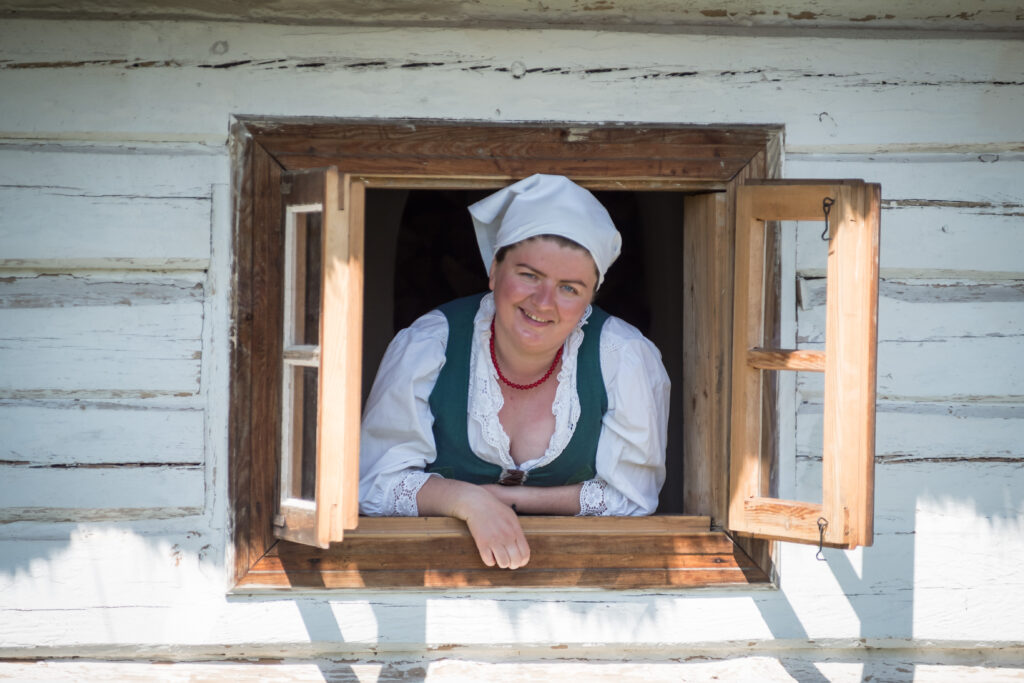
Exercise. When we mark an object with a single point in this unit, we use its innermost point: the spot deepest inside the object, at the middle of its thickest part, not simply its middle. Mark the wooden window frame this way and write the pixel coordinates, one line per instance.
(637, 553)
(849, 210)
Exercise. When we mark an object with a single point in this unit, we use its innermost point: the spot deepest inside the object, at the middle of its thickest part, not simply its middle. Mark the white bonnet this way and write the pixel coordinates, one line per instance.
(546, 205)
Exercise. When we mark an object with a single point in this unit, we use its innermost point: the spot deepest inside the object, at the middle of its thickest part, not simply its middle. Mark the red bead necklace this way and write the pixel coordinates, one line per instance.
(504, 379)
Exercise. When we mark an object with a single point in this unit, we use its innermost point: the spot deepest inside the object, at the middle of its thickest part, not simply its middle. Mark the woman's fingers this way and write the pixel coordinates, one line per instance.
(524, 548)
(495, 528)
(501, 556)
(500, 544)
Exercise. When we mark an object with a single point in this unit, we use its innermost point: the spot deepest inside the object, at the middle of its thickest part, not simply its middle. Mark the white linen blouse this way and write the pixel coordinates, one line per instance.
(397, 439)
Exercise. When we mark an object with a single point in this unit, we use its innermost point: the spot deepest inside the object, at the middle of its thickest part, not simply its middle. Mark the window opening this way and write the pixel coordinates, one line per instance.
(705, 170)
(421, 251)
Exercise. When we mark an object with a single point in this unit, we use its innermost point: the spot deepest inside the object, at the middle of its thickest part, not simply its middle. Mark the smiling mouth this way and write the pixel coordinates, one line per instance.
(533, 317)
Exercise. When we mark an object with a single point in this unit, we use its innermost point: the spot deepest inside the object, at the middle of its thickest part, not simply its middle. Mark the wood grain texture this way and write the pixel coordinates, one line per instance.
(435, 139)
(51, 493)
(181, 171)
(585, 151)
(447, 527)
(706, 331)
(440, 553)
(927, 310)
(240, 408)
(304, 206)
(98, 345)
(764, 166)
(255, 393)
(91, 433)
(645, 15)
(969, 180)
(745, 475)
(781, 359)
(981, 369)
(931, 432)
(151, 70)
(851, 333)
(48, 229)
(849, 362)
(934, 241)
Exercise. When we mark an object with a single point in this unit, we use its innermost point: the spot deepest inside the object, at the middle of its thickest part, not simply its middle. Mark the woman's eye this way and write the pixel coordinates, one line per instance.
(569, 289)
(528, 275)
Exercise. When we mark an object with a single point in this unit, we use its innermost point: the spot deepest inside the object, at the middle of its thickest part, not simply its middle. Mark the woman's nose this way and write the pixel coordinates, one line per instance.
(544, 295)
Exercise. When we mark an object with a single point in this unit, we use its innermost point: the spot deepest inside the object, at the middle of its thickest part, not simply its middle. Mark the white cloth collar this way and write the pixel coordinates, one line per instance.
(486, 400)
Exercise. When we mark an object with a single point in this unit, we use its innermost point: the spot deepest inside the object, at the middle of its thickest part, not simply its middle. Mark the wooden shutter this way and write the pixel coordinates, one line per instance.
(848, 363)
(323, 310)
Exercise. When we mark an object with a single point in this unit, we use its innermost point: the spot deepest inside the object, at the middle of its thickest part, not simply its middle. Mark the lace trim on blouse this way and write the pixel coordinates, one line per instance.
(486, 401)
(592, 498)
(402, 501)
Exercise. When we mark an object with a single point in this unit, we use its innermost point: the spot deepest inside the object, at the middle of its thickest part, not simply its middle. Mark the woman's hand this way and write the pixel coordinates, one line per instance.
(493, 524)
(495, 528)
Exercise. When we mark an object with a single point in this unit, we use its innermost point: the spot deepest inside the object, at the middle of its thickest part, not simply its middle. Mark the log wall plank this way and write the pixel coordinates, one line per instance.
(90, 433)
(47, 230)
(954, 369)
(165, 75)
(183, 171)
(930, 240)
(114, 350)
(927, 432)
(927, 310)
(99, 493)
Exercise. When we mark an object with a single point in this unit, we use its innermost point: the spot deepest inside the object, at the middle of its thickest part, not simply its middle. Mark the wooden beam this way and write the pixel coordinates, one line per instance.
(786, 359)
(624, 553)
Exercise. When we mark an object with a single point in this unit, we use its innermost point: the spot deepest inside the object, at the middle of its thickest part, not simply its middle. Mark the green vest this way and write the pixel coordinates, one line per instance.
(449, 402)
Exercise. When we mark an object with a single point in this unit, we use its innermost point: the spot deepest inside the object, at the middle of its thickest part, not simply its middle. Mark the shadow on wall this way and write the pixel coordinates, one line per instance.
(948, 525)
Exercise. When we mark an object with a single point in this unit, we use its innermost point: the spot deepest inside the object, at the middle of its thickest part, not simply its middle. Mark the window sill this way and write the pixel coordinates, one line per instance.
(663, 551)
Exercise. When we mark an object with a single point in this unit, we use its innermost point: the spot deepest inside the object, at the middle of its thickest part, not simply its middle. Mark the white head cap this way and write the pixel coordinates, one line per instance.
(546, 205)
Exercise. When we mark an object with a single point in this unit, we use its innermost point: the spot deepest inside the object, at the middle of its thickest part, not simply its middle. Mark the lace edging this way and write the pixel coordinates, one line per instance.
(592, 500)
(402, 498)
(486, 400)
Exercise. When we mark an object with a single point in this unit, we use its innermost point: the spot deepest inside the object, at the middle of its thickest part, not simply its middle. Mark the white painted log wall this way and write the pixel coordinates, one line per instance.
(114, 263)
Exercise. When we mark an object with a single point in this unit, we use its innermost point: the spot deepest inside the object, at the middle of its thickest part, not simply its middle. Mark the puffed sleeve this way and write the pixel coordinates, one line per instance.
(397, 438)
(631, 449)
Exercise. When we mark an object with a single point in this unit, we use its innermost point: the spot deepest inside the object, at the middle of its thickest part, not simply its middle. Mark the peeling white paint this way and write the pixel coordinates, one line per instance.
(115, 256)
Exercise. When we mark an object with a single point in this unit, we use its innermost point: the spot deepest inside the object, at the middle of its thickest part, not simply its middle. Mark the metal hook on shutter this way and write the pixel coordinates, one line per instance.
(822, 524)
(826, 207)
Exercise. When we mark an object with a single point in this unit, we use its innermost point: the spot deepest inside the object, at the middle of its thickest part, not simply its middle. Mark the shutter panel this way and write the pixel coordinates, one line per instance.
(848, 363)
(323, 310)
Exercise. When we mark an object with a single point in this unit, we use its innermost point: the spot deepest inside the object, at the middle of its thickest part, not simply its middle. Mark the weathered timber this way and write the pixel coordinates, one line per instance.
(49, 230)
(88, 433)
(440, 553)
(916, 431)
(54, 493)
(951, 370)
(583, 151)
(927, 310)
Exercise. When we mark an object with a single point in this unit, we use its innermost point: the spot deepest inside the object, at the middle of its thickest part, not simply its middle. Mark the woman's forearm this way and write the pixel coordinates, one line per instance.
(439, 497)
(540, 500)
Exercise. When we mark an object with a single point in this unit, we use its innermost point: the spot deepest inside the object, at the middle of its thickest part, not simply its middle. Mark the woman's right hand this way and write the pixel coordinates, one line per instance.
(493, 524)
(495, 528)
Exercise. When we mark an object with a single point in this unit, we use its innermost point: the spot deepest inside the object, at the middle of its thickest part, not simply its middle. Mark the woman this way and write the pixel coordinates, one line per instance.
(526, 399)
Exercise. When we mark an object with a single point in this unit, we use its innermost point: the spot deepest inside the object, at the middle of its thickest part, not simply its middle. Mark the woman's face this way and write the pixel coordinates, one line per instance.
(541, 290)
